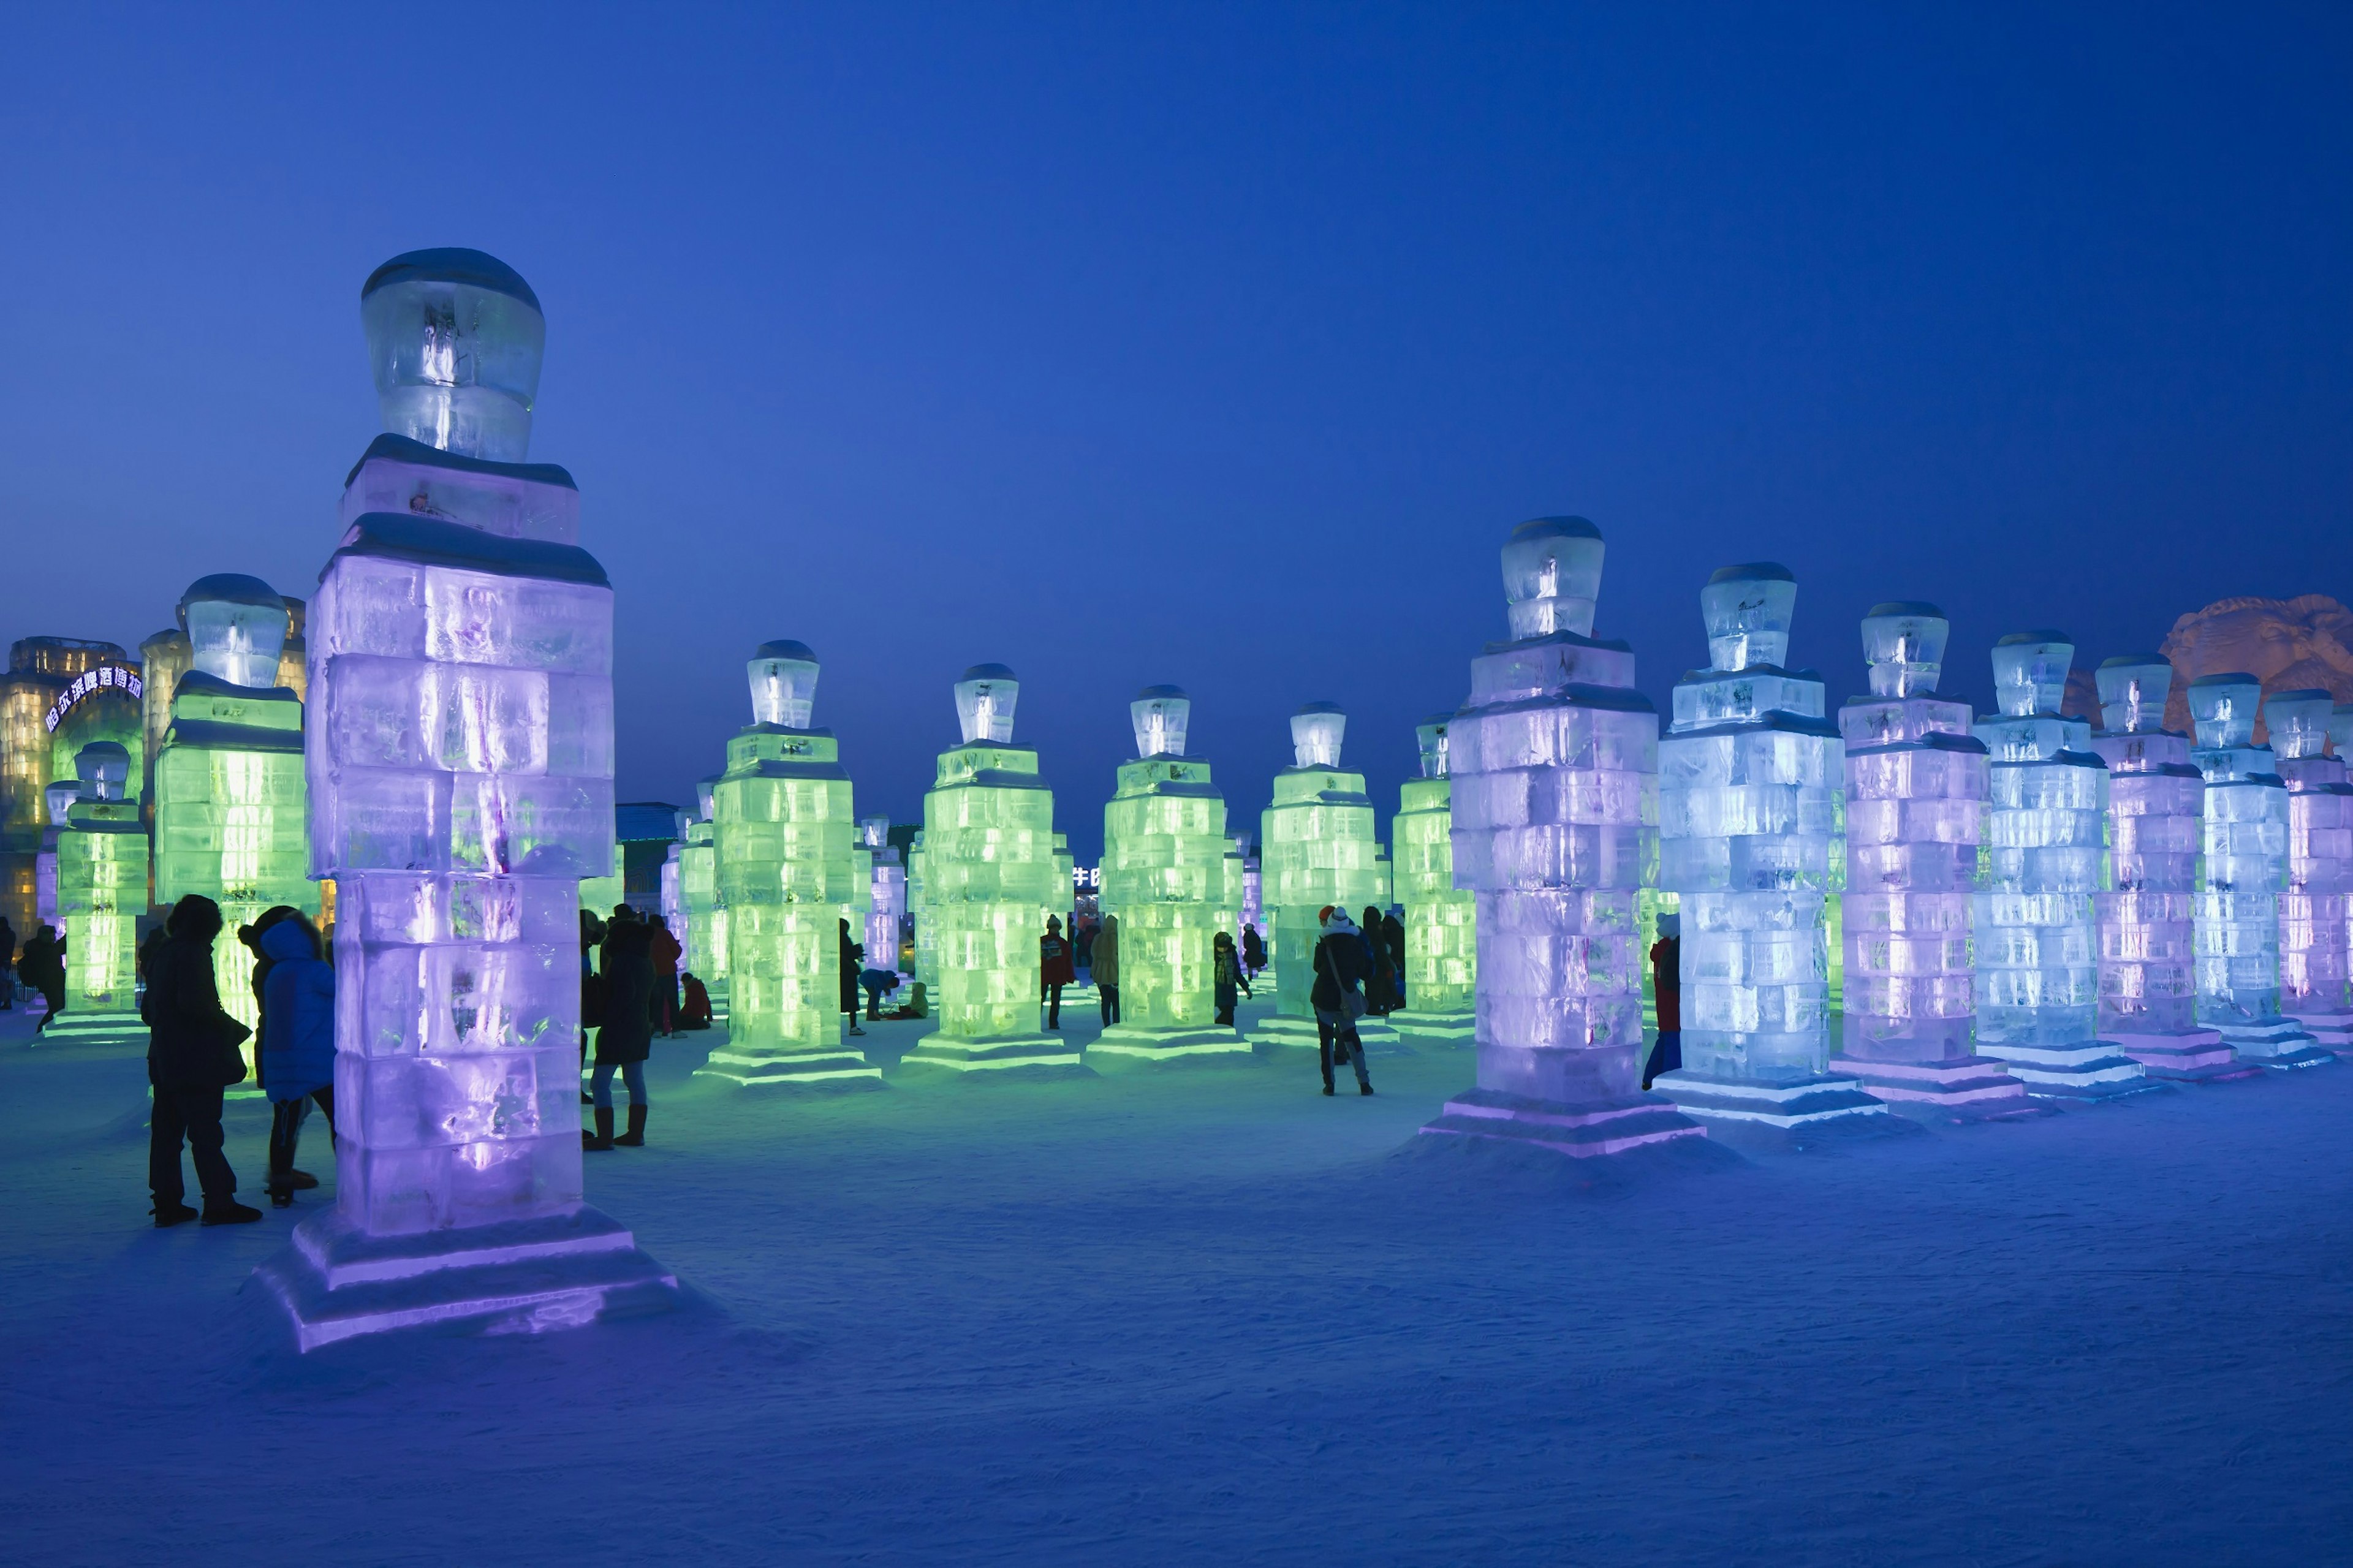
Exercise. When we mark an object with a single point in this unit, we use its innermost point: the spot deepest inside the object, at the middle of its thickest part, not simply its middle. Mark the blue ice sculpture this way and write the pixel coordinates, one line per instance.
(2319, 867)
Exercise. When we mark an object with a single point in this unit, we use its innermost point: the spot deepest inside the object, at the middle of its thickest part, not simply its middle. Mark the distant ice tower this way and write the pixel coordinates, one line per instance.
(101, 892)
(705, 938)
(2319, 868)
(888, 898)
(1441, 922)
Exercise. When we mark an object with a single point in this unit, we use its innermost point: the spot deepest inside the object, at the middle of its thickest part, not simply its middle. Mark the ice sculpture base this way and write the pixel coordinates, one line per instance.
(1276, 1032)
(833, 1072)
(1136, 1045)
(2332, 1031)
(2192, 1056)
(2277, 1043)
(532, 1276)
(1962, 1088)
(1808, 1101)
(1037, 1055)
(93, 1028)
(2092, 1070)
(1585, 1130)
(1420, 1026)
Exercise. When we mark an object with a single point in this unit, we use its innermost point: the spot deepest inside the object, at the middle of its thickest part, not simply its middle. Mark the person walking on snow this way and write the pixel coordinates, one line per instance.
(1226, 977)
(43, 969)
(627, 1038)
(1343, 966)
(666, 953)
(853, 958)
(297, 1045)
(191, 1043)
(1055, 970)
(1105, 970)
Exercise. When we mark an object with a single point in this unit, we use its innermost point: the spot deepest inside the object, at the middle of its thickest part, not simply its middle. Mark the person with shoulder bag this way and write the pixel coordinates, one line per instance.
(192, 1056)
(1343, 966)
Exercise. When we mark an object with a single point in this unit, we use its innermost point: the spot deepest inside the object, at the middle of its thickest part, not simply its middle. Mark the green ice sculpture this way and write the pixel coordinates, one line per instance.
(102, 888)
(1170, 876)
(987, 868)
(1441, 924)
(919, 912)
(706, 921)
(1315, 847)
(781, 825)
(229, 788)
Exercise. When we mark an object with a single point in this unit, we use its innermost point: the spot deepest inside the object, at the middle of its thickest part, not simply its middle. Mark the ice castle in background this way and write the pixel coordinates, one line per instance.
(1748, 786)
(705, 936)
(460, 745)
(101, 892)
(887, 900)
(2244, 874)
(229, 787)
(2319, 867)
(2156, 804)
(1168, 876)
(989, 875)
(2037, 944)
(1315, 847)
(1916, 794)
(782, 826)
(1554, 763)
(1442, 921)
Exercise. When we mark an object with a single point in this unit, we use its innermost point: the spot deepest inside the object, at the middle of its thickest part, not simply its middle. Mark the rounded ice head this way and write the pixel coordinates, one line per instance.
(1160, 715)
(1429, 739)
(2223, 706)
(874, 832)
(985, 701)
(2132, 688)
(455, 339)
(1904, 644)
(1748, 611)
(1552, 576)
(2030, 671)
(2298, 721)
(706, 795)
(61, 794)
(236, 627)
(103, 768)
(1315, 733)
(782, 676)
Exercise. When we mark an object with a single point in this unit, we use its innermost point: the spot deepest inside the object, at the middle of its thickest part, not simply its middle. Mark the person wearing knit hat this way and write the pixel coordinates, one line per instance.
(1343, 965)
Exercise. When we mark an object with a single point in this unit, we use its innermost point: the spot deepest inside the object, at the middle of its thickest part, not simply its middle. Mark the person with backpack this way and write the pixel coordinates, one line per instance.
(192, 1048)
(1343, 966)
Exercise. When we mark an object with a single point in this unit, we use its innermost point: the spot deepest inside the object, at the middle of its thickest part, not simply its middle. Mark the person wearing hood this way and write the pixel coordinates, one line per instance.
(1382, 992)
(853, 960)
(1104, 970)
(1253, 952)
(1343, 966)
(626, 1039)
(1227, 984)
(298, 1043)
(191, 1045)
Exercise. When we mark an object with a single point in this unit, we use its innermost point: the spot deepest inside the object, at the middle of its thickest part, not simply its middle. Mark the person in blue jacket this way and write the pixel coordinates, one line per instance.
(298, 1045)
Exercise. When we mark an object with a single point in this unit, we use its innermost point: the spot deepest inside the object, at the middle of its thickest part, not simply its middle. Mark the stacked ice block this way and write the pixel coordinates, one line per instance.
(698, 885)
(1748, 786)
(887, 894)
(781, 825)
(101, 891)
(1916, 784)
(1315, 847)
(459, 747)
(1554, 767)
(1253, 912)
(919, 913)
(1167, 868)
(2242, 875)
(989, 872)
(1442, 921)
(2319, 868)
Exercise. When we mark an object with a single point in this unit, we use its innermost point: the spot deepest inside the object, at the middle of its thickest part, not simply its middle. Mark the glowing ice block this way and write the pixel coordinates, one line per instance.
(101, 892)
(2313, 911)
(1554, 763)
(1168, 876)
(919, 915)
(887, 897)
(1748, 786)
(1917, 799)
(988, 885)
(698, 883)
(1442, 921)
(458, 739)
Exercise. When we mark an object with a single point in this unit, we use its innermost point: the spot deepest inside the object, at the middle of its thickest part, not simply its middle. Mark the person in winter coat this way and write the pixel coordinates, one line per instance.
(853, 958)
(1343, 966)
(1226, 977)
(627, 1037)
(695, 1013)
(1055, 970)
(297, 1045)
(666, 953)
(592, 986)
(1393, 943)
(7, 965)
(1105, 970)
(42, 967)
(1253, 952)
(1667, 989)
(1377, 989)
(190, 1042)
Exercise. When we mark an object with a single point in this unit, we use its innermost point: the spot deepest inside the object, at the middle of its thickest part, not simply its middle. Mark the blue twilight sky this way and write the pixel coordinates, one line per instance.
(1212, 345)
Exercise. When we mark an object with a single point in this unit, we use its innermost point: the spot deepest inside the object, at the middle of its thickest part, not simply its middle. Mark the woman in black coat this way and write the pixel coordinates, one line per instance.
(42, 968)
(627, 1035)
(853, 961)
(190, 1042)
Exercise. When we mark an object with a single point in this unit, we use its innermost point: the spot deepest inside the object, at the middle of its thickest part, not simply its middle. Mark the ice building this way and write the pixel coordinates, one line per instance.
(2156, 801)
(61, 796)
(460, 745)
(1554, 767)
(2038, 980)
(1167, 865)
(1748, 786)
(782, 826)
(1316, 848)
(2319, 868)
(1252, 913)
(229, 794)
(988, 885)
(887, 899)
(705, 938)
(101, 892)
(919, 915)
(1916, 794)
(2244, 873)
(1441, 922)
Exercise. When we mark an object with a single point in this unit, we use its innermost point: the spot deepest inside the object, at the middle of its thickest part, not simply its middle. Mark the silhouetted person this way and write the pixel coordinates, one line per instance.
(1055, 970)
(1343, 965)
(298, 1045)
(192, 1045)
(853, 958)
(627, 1037)
(1253, 951)
(1667, 987)
(1105, 970)
(1393, 941)
(1381, 991)
(1226, 976)
(694, 1011)
(666, 953)
(42, 967)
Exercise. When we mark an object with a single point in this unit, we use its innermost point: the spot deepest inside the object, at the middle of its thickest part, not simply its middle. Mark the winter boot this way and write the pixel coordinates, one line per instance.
(1364, 1088)
(602, 1137)
(635, 1137)
(229, 1211)
(169, 1214)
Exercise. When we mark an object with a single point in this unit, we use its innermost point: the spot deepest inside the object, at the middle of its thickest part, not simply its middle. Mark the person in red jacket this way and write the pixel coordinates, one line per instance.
(1056, 969)
(666, 954)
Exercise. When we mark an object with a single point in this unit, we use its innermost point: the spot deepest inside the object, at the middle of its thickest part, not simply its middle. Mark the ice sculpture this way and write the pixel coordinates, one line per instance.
(101, 891)
(988, 884)
(59, 795)
(1748, 786)
(698, 885)
(1316, 848)
(889, 894)
(1442, 923)
(1166, 865)
(2319, 868)
(1253, 912)
(458, 739)
(2156, 799)
(1916, 784)
(1554, 763)
(782, 826)
(919, 914)
(229, 791)
(2037, 947)
(2244, 874)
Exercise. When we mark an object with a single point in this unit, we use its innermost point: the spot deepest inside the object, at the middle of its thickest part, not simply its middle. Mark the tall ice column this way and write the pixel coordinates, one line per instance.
(1442, 921)
(888, 898)
(102, 888)
(2319, 868)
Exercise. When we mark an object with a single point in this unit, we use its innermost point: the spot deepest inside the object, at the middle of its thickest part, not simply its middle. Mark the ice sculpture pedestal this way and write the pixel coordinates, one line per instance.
(84, 1028)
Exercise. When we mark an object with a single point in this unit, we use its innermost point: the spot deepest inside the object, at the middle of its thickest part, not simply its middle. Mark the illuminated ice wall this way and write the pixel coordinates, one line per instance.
(2319, 867)
(1441, 922)
(101, 892)
(698, 885)
(888, 896)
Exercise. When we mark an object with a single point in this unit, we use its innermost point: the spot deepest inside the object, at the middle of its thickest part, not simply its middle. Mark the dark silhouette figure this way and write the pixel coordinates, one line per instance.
(1055, 970)
(627, 1037)
(191, 1045)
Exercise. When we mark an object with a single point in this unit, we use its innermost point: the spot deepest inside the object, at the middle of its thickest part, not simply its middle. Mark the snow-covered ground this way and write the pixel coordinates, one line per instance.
(1212, 1317)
